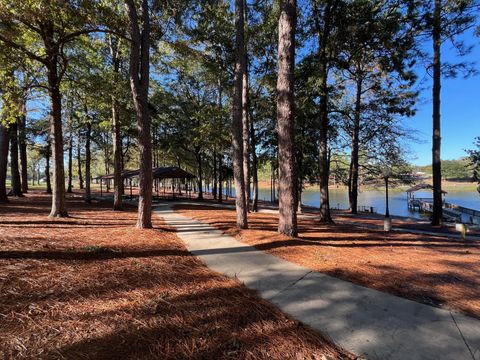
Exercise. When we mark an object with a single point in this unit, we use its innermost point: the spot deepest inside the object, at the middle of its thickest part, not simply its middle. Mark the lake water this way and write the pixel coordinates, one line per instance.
(376, 198)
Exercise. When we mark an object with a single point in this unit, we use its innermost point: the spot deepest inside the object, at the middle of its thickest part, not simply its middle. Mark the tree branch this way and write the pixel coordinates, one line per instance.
(23, 49)
(73, 35)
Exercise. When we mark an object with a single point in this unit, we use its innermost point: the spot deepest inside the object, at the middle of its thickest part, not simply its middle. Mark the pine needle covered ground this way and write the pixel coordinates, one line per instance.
(434, 270)
(93, 287)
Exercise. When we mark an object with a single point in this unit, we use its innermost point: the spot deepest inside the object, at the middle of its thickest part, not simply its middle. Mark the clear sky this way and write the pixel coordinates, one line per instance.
(460, 110)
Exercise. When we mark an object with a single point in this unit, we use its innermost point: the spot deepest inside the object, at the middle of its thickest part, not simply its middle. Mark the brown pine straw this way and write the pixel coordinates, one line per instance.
(433, 270)
(91, 286)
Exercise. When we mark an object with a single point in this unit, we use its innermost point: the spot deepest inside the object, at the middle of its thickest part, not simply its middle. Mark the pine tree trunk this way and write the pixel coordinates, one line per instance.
(254, 168)
(246, 131)
(47, 167)
(287, 206)
(218, 164)
(88, 158)
(220, 179)
(79, 160)
(58, 194)
(437, 217)
(70, 162)
(117, 158)
(354, 161)
(139, 81)
(237, 127)
(22, 143)
(215, 186)
(16, 189)
(106, 160)
(272, 198)
(4, 145)
(300, 172)
(325, 216)
(116, 135)
(198, 157)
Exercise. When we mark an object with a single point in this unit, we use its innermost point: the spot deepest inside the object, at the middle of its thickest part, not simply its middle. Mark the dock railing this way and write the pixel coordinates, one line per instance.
(363, 208)
(451, 212)
(466, 215)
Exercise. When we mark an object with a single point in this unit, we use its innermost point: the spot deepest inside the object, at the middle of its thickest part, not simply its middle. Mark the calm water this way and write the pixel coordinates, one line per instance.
(376, 198)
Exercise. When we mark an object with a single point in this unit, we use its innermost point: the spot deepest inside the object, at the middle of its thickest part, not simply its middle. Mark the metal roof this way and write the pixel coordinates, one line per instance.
(125, 174)
(170, 172)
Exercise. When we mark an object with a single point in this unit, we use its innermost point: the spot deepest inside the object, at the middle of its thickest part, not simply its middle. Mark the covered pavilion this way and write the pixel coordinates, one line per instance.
(170, 177)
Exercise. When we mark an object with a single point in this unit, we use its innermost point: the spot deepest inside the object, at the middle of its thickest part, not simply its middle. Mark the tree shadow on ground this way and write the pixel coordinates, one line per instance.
(438, 271)
(95, 254)
(226, 321)
(74, 289)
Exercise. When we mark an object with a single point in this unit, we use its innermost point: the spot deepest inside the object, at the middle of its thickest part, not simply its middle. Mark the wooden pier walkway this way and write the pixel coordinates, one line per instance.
(451, 212)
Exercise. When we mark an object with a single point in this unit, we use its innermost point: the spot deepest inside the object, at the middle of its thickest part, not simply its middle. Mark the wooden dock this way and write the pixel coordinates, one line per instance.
(451, 212)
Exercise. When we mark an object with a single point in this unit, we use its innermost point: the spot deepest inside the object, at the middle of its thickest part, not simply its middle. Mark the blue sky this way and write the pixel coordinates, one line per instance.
(460, 110)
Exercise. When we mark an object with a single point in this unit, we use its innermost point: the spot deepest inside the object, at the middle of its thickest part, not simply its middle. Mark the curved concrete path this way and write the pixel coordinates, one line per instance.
(364, 321)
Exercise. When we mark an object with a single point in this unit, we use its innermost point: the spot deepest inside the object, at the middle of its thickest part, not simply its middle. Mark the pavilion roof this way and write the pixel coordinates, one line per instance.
(170, 172)
(125, 174)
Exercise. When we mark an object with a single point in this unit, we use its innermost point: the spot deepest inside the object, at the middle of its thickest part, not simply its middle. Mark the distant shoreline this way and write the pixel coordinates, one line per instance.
(447, 185)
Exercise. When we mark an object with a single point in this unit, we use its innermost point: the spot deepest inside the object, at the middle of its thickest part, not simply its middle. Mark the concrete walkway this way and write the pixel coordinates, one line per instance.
(364, 321)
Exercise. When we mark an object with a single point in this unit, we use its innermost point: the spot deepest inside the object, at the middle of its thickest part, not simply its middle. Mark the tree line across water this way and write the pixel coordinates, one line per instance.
(316, 89)
(461, 169)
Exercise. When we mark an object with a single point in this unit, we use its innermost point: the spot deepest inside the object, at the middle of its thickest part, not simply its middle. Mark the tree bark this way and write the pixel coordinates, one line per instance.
(106, 159)
(300, 172)
(16, 188)
(354, 162)
(287, 206)
(218, 163)
(245, 118)
(88, 157)
(387, 210)
(70, 161)
(325, 216)
(116, 135)
(215, 177)
(4, 145)
(58, 194)
(47, 167)
(437, 216)
(254, 168)
(246, 135)
(272, 182)
(117, 158)
(139, 82)
(237, 126)
(22, 143)
(220, 179)
(198, 157)
(79, 159)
